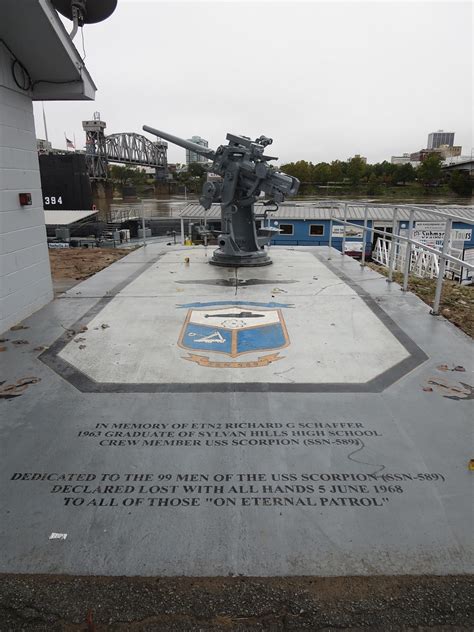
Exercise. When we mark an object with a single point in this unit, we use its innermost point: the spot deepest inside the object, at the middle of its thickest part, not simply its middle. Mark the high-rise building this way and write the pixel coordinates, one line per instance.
(435, 139)
(192, 156)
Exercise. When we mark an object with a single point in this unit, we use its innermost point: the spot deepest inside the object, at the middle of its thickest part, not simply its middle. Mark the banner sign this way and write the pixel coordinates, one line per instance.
(432, 233)
(429, 233)
(351, 231)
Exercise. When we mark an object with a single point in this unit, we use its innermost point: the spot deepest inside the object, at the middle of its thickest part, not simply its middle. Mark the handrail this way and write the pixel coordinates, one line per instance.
(396, 238)
(435, 251)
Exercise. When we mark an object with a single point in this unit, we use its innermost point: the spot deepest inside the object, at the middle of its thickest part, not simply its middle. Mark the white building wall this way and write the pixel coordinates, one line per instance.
(25, 277)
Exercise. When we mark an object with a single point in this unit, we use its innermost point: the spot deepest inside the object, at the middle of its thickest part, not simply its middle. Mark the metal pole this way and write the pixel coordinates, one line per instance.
(143, 223)
(406, 272)
(442, 266)
(330, 233)
(364, 237)
(182, 231)
(45, 126)
(344, 230)
(393, 246)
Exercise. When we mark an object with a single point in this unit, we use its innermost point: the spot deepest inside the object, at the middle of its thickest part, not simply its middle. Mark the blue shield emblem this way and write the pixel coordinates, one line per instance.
(234, 330)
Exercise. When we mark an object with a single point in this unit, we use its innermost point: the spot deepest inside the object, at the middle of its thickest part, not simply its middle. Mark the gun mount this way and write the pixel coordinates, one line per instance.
(245, 173)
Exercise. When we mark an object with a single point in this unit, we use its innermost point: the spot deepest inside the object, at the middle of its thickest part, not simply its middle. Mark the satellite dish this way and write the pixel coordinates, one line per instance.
(91, 11)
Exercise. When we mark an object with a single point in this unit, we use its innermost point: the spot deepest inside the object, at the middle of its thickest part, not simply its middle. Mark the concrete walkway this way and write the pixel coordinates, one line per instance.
(174, 418)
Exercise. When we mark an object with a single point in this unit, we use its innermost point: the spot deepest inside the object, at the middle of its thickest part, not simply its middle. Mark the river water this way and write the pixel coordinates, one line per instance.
(170, 206)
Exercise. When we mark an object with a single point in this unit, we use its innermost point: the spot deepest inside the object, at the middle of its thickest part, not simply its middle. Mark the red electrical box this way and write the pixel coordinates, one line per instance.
(25, 199)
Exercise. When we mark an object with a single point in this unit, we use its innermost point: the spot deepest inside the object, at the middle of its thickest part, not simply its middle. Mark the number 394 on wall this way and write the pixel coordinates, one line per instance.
(52, 200)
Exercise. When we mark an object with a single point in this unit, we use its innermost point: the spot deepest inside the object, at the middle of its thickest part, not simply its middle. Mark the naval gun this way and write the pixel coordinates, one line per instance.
(246, 174)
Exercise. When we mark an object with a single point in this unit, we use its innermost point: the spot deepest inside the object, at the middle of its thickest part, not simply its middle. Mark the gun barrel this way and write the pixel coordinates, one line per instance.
(186, 144)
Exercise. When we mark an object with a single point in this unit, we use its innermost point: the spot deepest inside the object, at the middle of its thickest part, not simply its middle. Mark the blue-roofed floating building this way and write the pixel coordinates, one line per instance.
(312, 225)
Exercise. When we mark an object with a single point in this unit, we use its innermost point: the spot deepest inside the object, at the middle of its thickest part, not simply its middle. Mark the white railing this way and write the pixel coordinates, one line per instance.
(454, 270)
(424, 264)
(408, 253)
(119, 214)
(381, 252)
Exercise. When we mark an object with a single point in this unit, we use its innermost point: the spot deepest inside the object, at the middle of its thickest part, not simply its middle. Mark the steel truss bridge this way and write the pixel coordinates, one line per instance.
(135, 149)
(127, 148)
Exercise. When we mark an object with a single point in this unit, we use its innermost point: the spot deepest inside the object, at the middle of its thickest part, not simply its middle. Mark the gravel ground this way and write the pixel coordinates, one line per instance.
(236, 604)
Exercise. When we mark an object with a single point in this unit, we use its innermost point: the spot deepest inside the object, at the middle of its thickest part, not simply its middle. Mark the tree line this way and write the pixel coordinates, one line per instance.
(353, 174)
(374, 177)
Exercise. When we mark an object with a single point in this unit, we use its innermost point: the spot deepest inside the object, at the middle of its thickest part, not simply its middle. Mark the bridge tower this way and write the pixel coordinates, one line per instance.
(96, 151)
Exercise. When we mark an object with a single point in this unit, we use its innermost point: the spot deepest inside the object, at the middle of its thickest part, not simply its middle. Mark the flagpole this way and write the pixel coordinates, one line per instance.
(44, 123)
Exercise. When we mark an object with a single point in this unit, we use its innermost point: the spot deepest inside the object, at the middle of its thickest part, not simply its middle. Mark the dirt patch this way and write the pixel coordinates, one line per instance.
(71, 265)
(236, 604)
(457, 301)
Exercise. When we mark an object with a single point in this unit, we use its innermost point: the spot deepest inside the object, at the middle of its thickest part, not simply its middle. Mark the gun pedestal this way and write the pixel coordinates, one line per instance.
(238, 243)
(242, 259)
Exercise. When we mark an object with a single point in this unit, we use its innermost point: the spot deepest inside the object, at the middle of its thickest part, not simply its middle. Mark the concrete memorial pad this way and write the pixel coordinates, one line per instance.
(240, 331)
(174, 418)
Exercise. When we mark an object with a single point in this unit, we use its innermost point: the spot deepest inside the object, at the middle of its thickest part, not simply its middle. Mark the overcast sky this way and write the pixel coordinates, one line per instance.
(326, 80)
